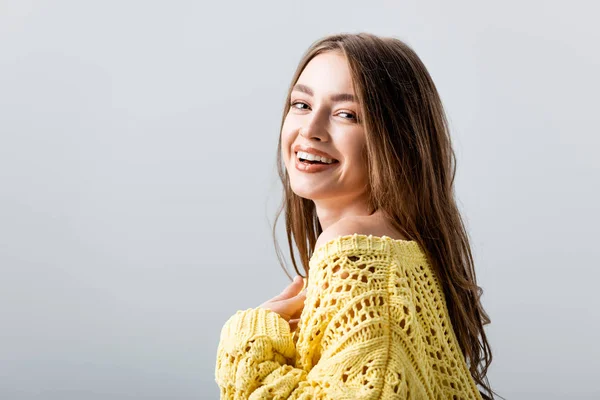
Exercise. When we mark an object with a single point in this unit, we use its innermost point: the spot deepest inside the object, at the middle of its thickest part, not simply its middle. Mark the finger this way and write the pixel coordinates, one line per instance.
(292, 306)
(300, 297)
(292, 289)
(298, 313)
(294, 323)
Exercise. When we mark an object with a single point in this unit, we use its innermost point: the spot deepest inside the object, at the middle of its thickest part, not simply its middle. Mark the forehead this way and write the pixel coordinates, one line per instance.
(327, 73)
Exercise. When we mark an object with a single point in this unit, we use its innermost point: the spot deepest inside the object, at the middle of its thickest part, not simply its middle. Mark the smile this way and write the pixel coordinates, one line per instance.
(314, 166)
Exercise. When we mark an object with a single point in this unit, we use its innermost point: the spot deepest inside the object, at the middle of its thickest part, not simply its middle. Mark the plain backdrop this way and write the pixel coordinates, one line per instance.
(138, 184)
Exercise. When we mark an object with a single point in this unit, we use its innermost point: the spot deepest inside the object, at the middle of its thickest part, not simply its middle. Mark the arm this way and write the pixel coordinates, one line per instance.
(255, 356)
(256, 353)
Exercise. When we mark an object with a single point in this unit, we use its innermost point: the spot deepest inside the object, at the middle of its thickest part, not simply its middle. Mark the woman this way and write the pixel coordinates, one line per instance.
(390, 308)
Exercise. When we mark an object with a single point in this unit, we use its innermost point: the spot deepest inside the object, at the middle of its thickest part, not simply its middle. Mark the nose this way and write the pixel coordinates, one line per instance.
(313, 129)
(306, 133)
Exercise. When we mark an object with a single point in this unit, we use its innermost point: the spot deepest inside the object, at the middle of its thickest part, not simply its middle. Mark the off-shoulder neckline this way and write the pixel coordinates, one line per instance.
(359, 241)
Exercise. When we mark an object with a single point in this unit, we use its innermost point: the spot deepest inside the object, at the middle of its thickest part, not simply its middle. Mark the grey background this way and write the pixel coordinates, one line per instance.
(138, 185)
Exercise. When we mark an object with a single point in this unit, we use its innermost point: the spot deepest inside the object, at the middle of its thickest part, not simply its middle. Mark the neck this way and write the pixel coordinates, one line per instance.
(333, 210)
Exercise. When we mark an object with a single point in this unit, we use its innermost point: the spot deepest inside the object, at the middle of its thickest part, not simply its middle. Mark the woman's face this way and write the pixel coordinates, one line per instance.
(323, 116)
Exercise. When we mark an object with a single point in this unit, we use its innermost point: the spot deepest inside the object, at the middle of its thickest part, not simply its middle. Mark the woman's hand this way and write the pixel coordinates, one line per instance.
(289, 303)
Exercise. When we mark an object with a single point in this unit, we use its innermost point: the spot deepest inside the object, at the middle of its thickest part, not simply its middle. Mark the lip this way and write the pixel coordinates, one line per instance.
(310, 168)
(312, 150)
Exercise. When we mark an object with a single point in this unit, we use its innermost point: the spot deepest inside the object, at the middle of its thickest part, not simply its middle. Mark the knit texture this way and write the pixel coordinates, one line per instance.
(375, 325)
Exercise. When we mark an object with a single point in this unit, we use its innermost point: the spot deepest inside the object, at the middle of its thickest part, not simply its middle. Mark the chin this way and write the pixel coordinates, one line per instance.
(303, 191)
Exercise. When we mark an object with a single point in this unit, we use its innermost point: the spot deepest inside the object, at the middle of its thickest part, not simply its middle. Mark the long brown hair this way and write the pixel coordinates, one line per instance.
(411, 167)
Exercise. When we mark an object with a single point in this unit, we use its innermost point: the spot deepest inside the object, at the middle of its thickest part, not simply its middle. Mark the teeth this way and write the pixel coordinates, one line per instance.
(312, 157)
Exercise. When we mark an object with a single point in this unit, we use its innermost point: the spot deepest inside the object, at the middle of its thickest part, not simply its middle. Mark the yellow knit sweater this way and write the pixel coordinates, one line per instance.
(375, 325)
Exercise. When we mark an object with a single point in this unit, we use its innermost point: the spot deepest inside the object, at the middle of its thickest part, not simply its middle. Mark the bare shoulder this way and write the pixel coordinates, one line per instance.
(374, 225)
(347, 226)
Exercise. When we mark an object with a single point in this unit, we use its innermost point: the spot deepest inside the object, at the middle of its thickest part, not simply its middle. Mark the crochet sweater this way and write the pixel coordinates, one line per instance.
(375, 325)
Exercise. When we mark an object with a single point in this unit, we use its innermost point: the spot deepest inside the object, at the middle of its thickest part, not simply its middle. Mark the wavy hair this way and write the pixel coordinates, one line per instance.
(411, 167)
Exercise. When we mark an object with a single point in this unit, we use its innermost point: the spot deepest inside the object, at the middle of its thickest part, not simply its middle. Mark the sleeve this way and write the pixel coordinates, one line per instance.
(256, 353)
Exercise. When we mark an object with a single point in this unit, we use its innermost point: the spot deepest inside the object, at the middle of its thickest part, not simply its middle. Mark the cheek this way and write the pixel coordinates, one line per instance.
(289, 128)
(357, 152)
(355, 147)
(286, 143)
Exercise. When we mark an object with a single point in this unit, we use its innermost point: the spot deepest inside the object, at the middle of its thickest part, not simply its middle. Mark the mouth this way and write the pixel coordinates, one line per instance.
(313, 166)
(313, 162)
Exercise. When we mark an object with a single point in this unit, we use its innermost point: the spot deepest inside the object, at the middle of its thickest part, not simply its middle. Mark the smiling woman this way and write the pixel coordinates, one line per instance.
(390, 307)
(323, 121)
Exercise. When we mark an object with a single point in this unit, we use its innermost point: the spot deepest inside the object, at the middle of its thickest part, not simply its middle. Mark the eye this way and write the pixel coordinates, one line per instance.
(298, 102)
(351, 115)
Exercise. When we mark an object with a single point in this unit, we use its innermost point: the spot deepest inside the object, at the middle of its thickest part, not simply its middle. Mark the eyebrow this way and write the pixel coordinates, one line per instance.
(335, 97)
